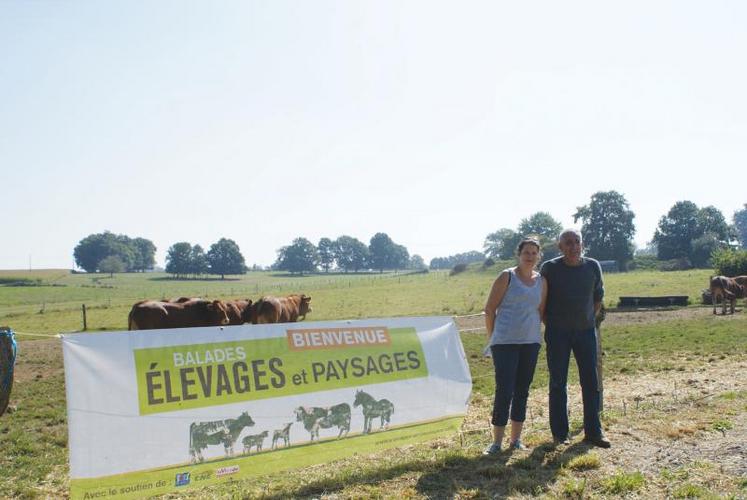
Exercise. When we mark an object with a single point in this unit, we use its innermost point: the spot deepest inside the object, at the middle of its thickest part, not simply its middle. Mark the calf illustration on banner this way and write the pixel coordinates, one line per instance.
(283, 434)
(383, 408)
(255, 440)
(225, 432)
(314, 418)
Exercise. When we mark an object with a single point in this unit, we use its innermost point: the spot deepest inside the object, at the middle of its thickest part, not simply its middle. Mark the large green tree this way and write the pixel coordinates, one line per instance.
(179, 259)
(198, 261)
(417, 262)
(111, 264)
(689, 232)
(326, 249)
(400, 258)
(225, 257)
(145, 254)
(676, 230)
(501, 244)
(740, 225)
(299, 257)
(540, 224)
(607, 227)
(92, 249)
(351, 254)
(381, 249)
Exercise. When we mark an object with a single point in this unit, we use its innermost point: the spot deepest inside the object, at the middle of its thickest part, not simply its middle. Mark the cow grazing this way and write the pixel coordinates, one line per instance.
(724, 288)
(225, 432)
(255, 440)
(288, 309)
(323, 418)
(283, 434)
(153, 314)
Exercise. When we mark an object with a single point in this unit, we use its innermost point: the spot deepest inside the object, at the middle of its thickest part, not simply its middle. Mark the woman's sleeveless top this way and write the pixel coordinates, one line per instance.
(517, 319)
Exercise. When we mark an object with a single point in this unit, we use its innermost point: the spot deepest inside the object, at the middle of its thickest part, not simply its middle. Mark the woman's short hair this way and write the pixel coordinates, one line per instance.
(528, 241)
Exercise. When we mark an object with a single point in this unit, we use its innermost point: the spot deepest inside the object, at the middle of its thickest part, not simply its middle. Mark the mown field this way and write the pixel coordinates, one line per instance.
(53, 304)
(673, 381)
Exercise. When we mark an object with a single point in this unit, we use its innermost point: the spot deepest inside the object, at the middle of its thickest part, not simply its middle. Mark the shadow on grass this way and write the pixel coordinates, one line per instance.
(497, 477)
(454, 473)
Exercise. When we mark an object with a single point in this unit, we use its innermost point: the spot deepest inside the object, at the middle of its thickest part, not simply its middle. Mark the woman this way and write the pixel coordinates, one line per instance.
(512, 321)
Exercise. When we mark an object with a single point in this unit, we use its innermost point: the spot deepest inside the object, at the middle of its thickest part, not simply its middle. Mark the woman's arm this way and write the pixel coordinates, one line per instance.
(500, 285)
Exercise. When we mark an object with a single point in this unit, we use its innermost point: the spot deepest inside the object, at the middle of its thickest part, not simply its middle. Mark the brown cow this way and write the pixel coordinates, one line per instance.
(724, 288)
(239, 311)
(154, 314)
(288, 309)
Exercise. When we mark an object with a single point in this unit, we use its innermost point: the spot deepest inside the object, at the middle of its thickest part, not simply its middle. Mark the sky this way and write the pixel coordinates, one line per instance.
(434, 122)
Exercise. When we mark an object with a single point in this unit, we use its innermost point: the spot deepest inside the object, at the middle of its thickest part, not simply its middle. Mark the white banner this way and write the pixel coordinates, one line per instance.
(154, 410)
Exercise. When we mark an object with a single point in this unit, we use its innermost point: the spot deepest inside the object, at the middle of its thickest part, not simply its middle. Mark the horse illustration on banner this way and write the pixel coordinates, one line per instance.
(383, 408)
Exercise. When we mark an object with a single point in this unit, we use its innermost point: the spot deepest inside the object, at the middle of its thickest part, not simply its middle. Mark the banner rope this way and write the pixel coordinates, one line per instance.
(45, 335)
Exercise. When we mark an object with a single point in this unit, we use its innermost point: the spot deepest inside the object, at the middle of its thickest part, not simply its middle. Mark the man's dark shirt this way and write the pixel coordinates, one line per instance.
(571, 293)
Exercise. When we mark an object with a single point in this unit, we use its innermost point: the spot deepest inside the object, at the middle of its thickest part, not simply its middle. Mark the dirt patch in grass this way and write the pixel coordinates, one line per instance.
(38, 359)
(684, 429)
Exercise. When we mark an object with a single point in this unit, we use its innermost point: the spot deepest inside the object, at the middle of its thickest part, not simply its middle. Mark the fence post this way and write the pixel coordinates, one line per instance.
(85, 323)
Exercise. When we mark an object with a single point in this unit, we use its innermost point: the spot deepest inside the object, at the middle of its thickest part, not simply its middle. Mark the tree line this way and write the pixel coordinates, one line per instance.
(347, 254)
(688, 234)
(115, 253)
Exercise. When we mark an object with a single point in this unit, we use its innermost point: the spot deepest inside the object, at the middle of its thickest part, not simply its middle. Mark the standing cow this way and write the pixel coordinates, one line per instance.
(724, 288)
(154, 314)
(225, 432)
(288, 309)
(315, 418)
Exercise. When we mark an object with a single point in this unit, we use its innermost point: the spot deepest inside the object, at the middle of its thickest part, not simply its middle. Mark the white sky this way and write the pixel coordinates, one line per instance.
(434, 122)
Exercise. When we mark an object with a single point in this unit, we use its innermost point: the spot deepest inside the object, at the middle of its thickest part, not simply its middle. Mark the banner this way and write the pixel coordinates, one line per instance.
(153, 411)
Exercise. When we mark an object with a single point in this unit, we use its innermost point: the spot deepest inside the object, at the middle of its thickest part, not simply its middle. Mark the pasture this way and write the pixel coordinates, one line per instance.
(675, 402)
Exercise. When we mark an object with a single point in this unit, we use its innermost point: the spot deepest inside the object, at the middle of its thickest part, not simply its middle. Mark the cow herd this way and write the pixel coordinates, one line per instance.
(725, 289)
(187, 312)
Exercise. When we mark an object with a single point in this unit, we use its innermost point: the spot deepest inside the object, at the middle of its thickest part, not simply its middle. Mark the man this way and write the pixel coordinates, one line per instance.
(574, 297)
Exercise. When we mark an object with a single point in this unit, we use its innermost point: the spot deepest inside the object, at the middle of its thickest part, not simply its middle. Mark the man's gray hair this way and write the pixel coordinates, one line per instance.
(570, 231)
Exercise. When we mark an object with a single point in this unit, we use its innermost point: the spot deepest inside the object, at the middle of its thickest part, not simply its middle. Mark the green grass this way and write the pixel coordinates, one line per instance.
(690, 491)
(34, 438)
(53, 303)
(623, 482)
(585, 462)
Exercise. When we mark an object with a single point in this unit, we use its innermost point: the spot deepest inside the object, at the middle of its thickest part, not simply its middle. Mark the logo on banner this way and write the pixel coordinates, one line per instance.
(305, 360)
(226, 471)
(182, 479)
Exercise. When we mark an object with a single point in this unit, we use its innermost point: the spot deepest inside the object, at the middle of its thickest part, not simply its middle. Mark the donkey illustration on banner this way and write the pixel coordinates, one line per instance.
(372, 408)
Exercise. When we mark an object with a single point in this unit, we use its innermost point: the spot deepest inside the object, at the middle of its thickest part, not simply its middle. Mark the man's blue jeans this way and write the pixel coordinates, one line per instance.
(583, 344)
(514, 369)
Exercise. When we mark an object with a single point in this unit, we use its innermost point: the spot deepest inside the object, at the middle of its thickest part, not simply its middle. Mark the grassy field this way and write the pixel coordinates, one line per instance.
(53, 303)
(691, 348)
